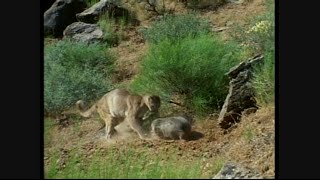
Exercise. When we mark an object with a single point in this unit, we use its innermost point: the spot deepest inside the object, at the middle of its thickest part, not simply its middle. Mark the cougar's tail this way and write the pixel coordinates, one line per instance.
(84, 111)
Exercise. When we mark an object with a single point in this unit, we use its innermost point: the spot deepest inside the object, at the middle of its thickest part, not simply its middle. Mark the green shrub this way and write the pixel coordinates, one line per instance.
(175, 28)
(264, 79)
(193, 68)
(74, 71)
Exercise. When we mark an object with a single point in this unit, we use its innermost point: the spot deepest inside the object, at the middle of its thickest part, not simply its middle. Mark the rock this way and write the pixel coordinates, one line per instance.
(171, 128)
(61, 14)
(83, 32)
(92, 14)
(248, 111)
(235, 171)
(241, 94)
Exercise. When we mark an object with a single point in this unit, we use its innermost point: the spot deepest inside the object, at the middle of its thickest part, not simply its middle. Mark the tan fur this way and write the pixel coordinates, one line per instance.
(119, 105)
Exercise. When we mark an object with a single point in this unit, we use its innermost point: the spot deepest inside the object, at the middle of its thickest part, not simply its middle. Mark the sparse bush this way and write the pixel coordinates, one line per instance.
(259, 38)
(193, 68)
(74, 71)
(264, 77)
(264, 81)
(176, 28)
(113, 28)
(110, 36)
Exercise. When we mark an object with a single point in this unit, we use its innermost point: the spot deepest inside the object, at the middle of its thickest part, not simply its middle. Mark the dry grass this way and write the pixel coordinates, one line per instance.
(231, 15)
(212, 150)
(129, 53)
(250, 143)
(256, 150)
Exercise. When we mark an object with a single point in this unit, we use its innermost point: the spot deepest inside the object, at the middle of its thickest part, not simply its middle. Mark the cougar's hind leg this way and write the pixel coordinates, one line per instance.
(109, 121)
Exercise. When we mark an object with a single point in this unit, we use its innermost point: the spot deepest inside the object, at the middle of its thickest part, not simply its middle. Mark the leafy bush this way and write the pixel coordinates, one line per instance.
(193, 68)
(175, 28)
(74, 71)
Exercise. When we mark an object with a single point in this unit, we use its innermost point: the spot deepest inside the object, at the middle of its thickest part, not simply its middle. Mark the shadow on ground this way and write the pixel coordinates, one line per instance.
(195, 136)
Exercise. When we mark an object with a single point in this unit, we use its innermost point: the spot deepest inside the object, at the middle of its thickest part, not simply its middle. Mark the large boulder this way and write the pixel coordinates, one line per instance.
(92, 14)
(83, 32)
(236, 171)
(241, 94)
(61, 14)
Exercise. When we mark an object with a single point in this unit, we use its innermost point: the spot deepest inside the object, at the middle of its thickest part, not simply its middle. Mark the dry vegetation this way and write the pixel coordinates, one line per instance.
(250, 143)
(74, 145)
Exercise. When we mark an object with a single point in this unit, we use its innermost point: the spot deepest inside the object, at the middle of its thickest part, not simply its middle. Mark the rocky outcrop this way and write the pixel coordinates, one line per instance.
(235, 171)
(131, 10)
(61, 14)
(241, 94)
(112, 8)
(83, 32)
(138, 11)
(64, 12)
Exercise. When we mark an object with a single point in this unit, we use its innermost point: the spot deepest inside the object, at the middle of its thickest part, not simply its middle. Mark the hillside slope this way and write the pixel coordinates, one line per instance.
(75, 147)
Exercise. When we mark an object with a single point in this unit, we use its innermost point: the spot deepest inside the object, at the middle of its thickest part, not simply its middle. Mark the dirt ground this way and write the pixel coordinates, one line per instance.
(251, 142)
